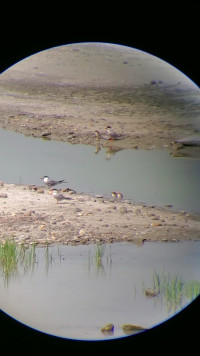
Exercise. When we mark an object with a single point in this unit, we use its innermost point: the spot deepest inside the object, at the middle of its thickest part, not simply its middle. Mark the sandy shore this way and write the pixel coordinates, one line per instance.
(31, 215)
(146, 116)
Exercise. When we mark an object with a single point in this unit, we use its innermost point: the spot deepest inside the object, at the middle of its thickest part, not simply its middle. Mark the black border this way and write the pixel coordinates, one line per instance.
(177, 44)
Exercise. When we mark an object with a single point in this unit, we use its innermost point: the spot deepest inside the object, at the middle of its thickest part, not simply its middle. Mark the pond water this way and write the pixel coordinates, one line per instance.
(150, 176)
(73, 291)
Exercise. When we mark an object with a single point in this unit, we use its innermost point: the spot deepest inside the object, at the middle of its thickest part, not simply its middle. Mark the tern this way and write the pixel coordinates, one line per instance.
(51, 182)
(111, 135)
(58, 196)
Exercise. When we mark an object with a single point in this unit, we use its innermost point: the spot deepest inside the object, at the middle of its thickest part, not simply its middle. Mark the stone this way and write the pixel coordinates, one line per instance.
(3, 195)
(40, 191)
(45, 134)
(82, 232)
(108, 328)
(151, 292)
(132, 327)
(78, 210)
(123, 210)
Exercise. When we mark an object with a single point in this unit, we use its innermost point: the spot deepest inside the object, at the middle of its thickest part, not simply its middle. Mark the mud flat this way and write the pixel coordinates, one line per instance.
(145, 116)
(68, 92)
(31, 215)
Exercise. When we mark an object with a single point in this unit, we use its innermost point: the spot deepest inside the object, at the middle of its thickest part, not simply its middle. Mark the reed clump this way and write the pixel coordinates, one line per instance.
(14, 256)
(174, 290)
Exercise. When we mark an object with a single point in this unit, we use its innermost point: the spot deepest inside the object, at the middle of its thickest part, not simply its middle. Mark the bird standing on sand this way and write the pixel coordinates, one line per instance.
(117, 196)
(111, 135)
(114, 195)
(120, 196)
(58, 196)
(51, 182)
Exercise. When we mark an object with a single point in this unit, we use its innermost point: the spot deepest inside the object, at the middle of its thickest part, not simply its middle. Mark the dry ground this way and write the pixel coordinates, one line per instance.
(33, 216)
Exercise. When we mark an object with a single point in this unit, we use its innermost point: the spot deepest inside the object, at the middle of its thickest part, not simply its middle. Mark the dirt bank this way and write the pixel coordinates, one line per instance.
(146, 116)
(33, 216)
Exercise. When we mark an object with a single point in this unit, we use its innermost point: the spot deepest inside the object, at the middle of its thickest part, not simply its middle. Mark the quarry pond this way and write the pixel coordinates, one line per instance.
(93, 266)
(73, 292)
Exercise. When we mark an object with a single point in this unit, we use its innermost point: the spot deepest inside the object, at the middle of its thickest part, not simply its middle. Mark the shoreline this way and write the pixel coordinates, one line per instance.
(49, 96)
(30, 215)
(149, 117)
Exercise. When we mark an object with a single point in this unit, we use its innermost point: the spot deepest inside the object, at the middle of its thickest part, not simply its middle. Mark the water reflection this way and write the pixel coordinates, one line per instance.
(16, 259)
(150, 176)
(74, 291)
(100, 260)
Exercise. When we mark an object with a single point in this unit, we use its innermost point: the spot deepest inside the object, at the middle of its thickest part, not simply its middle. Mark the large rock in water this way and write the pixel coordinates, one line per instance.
(193, 140)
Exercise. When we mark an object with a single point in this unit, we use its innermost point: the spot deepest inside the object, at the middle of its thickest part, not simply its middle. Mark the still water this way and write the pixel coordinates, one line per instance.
(73, 291)
(150, 176)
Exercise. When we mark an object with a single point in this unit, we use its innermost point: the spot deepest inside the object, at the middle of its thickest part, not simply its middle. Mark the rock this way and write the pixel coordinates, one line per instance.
(78, 210)
(28, 213)
(192, 140)
(40, 191)
(1, 183)
(123, 210)
(132, 327)
(156, 224)
(151, 292)
(108, 329)
(82, 232)
(42, 227)
(3, 195)
(45, 134)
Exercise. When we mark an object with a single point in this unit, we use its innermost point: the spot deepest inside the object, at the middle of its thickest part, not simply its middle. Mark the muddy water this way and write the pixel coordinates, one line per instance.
(73, 291)
(149, 176)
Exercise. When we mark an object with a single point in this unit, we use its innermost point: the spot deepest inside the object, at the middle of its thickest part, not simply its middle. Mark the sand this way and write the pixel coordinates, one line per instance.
(30, 215)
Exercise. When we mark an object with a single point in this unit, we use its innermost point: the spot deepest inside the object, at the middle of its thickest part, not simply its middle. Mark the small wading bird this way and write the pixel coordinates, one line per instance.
(111, 135)
(114, 195)
(51, 182)
(108, 135)
(58, 196)
(117, 196)
(120, 196)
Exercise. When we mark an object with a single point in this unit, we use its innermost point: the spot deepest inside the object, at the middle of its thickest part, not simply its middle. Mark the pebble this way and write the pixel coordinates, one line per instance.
(107, 328)
(82, 232)
(78, 210)
(132, 327)
(123, 210)
(156, 224)
(44, 134)
(3, 195)
(40, 191)
(151, 292)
